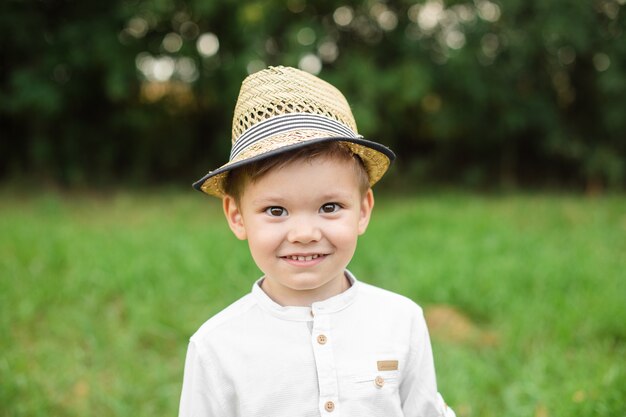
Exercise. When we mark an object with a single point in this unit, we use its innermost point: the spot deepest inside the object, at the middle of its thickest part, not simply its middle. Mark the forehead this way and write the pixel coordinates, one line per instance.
(305, 178)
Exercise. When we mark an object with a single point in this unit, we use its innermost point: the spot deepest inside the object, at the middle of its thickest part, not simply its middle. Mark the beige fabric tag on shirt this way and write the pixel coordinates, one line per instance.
(387, 365)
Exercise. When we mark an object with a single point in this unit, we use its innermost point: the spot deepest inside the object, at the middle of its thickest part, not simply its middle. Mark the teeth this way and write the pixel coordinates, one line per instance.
(303, 258)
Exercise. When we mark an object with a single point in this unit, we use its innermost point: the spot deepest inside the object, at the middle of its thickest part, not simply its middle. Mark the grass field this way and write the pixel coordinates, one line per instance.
(525, 296)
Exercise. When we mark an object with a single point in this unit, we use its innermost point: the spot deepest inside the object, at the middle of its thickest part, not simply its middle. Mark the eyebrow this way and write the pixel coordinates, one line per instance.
(278, 201)
(268, 201)
(335, 196)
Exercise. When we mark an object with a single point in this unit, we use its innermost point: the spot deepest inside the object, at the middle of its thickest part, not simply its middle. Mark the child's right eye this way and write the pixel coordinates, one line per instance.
(276, 211)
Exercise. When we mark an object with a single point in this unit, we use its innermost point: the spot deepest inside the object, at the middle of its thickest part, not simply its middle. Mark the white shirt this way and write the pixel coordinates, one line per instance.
(364, 352)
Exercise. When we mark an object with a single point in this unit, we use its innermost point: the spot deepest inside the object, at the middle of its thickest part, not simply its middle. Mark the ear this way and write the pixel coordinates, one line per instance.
(234, 217)
(367, 204)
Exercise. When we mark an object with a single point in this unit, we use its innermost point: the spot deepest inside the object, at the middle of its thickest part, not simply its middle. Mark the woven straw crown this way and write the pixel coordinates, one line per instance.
(281, 109)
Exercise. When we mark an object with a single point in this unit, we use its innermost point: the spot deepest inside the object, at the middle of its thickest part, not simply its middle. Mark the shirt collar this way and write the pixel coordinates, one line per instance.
(298, 313)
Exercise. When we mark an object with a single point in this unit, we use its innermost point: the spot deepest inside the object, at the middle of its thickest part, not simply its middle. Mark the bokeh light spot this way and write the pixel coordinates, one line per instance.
(343, 15)
(489, 44)
(387, 20)
(328, 51)
(306, 36)
(488, 11)
(455, 39)
(208, 44)
(611, 10)
(189, 30)
(310, 63)
(464, 12)
(601, 62)
(271, 47)
(296, 6)
(163, 68)
(172, 42)
(566, 55)
(430, 14)
(186, 69)
(137, 27)
(254, 66)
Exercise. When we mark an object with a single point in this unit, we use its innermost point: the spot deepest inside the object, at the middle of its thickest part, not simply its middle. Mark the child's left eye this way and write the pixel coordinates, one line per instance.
(276, 211)
(330, 208)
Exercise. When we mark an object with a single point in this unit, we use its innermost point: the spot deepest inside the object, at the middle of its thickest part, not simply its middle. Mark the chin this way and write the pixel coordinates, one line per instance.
(304, 285)
(303, 282)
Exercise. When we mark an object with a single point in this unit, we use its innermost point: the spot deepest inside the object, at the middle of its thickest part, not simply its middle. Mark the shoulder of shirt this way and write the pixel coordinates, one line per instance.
(376, 296)
(227, 316)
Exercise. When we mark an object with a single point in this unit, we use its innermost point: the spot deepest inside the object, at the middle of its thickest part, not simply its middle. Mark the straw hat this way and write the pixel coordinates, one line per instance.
(280, 109)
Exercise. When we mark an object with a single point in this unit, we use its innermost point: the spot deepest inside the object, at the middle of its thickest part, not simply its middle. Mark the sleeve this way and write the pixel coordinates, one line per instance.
(418, 391)
(202, 394)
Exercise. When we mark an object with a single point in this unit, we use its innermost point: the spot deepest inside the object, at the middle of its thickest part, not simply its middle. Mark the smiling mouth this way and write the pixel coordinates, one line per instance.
(303, 258)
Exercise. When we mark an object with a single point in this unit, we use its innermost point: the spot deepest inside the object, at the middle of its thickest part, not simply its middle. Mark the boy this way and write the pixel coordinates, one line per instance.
(309, 340)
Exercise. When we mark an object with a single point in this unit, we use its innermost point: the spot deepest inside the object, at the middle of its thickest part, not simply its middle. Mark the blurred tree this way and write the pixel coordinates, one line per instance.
(479, 92)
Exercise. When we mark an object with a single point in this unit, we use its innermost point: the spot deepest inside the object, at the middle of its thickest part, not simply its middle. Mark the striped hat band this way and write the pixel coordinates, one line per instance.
(286, 123)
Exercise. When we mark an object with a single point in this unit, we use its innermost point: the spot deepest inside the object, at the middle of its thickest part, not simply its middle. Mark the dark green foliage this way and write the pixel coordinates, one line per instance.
(507, 93)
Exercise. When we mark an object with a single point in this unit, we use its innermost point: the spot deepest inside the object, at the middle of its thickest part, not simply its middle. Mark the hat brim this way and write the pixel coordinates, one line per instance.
(376, 158)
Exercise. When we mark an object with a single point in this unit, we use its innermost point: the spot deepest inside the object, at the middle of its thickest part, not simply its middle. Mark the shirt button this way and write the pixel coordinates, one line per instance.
(379, 381)
(321, 339)
(329, 406)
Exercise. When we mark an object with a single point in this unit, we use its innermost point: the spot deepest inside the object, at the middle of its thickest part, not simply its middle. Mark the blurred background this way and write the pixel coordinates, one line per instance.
(474, 93)
(504, 215)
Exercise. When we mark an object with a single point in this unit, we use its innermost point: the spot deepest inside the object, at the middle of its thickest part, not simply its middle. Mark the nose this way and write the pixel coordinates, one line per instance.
(304, 230)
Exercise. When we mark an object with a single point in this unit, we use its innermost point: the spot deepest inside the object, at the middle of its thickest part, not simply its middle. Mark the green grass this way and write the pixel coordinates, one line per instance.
(98, 296)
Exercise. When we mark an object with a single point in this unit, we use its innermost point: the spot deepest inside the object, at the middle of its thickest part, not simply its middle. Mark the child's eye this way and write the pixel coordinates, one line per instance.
(276, 211)
(330, 208)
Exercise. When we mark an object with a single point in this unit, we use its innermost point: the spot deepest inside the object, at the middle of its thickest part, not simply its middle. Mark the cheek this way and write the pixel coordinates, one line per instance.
(260, 252)
(262, 241)
(344, 234)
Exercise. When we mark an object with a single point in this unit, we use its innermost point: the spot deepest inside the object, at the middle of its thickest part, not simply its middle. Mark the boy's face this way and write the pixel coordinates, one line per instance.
(302, 222)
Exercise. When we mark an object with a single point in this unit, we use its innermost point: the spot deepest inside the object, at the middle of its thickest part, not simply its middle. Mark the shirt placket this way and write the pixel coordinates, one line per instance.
(322, 342)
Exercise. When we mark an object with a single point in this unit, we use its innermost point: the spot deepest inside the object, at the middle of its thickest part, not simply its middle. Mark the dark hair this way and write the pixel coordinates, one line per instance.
(238, 178)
